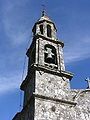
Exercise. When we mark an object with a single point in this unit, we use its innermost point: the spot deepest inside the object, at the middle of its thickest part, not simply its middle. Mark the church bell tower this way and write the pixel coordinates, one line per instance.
(46, 75)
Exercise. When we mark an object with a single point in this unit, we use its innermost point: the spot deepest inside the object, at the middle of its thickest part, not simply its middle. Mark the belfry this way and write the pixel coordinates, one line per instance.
(47, 93)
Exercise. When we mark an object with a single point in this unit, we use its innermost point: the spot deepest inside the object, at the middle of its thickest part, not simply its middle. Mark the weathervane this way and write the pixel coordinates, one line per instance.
(88, 81)
(43, 7)
(43, 12)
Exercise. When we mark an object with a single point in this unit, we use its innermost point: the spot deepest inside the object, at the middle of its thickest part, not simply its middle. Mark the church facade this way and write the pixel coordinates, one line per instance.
(47, 93)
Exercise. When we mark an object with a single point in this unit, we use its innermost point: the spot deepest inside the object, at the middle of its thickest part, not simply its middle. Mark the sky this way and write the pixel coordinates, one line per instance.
(17, 17)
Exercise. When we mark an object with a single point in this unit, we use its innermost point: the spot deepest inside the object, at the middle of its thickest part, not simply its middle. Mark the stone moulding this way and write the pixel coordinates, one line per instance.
(54, 99)
(49, 39)
(53, 71)
(48, 70)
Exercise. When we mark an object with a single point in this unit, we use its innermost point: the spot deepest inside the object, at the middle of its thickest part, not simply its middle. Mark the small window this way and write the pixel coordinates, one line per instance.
(41, 29)
(49, 31)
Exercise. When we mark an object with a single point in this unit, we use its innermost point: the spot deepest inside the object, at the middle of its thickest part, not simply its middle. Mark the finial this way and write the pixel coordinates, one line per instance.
(44, 13)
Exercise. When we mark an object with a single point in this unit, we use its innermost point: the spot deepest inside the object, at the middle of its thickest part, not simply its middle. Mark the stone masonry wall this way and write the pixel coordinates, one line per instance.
(52, 110)
(50, 84)
(71, 104)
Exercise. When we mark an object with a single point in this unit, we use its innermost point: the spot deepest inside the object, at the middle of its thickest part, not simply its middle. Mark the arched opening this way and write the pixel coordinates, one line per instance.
(49, 31)
(41, 29)
(50, 54)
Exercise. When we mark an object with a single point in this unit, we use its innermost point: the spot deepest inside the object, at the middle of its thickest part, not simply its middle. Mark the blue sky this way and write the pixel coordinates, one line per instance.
(17, 17)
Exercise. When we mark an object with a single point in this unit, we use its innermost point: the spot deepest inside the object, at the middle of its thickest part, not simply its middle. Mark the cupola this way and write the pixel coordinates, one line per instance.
(45, 27)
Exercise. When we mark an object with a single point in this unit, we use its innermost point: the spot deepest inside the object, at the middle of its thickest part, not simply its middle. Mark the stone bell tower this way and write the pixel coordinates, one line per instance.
(46, 75)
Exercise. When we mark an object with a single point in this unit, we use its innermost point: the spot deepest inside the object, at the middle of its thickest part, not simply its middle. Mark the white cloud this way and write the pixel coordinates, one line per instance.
(9, 83)
(78, 50)
(15, 22)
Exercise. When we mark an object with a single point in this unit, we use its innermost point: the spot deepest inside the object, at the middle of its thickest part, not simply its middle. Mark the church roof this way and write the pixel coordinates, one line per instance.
(45, 18)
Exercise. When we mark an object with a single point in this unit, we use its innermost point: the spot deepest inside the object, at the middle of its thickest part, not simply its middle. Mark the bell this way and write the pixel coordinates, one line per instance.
(49, 56)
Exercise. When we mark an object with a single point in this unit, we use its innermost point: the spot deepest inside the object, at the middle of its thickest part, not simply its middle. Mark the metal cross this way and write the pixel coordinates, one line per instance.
(88, 81)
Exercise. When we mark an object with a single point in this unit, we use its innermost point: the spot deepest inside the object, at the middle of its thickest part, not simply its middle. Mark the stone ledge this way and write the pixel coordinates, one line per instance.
(45, 69)
(54, 99)
(57, 41)
(53, 71)
(49, 39)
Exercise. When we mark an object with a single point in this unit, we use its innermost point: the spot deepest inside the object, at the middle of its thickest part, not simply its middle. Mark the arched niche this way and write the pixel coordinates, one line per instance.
(49, 31)
(41, 29)
(50, 55)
